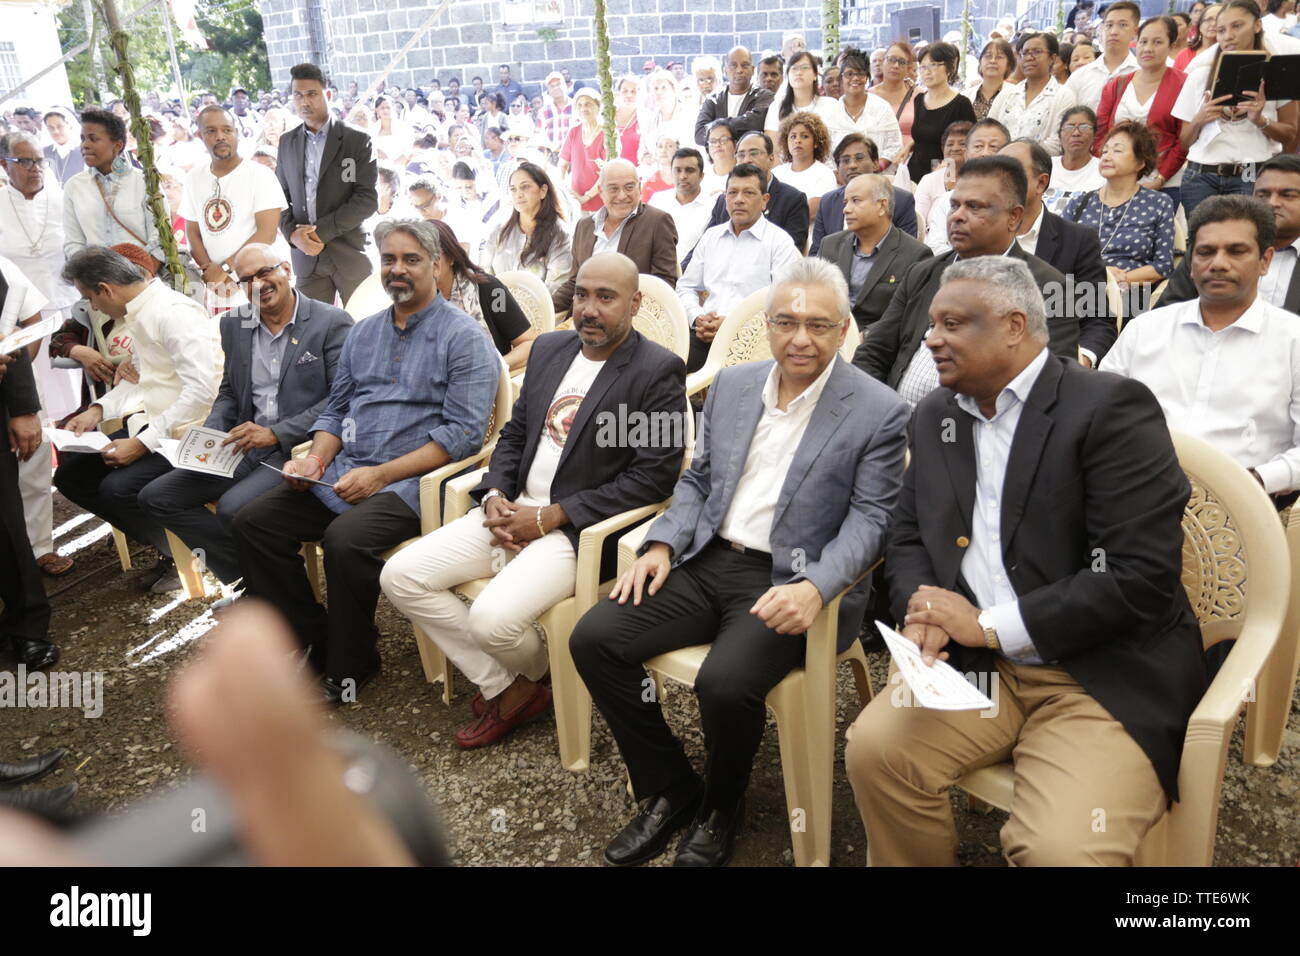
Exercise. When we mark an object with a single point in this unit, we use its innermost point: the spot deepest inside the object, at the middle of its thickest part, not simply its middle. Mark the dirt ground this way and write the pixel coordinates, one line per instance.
(508, 805)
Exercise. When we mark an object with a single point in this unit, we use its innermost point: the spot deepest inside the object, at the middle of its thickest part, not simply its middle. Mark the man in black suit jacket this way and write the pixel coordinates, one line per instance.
(987, 205)
(855, 155)
(328, 173)
(287, 339)
(752, 109)
(599, 428)
(1073, 249)
(787, 207)
(890, 252)
(1048, 567)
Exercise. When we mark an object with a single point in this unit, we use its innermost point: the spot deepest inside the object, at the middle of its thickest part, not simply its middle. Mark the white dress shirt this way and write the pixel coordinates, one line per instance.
(731, 266)
(1238, 388)
(1088, 82)
(936, 224)
(87, 221)
(31, 236)
(1029, 240)
(983, 565)
(178, 355)
(1275, 284)
(1039, 119)
(691, 218)
(748, 520)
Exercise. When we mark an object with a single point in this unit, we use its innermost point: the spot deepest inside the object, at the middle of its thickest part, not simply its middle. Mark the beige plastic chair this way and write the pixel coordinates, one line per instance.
(530, 292)
(804, 706)
(742, 337)
(1266, 714)
(851, 342)
(661, 317)
(1237, 575)
(1115, 300)
(1156, 294)
(571, 700)
(367, 298)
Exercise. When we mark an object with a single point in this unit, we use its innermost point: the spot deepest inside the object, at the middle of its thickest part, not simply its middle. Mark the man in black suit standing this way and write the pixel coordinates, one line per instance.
(1037, 543)
(988, 203)
(855, 155)
(560, 466)
(787, 207)
(871, 252)
(740, 101)
(1277, 184)
(1073, 249)
(328, 172)
(280, 352)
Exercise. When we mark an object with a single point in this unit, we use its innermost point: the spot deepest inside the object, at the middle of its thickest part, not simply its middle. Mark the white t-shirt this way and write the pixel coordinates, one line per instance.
(1068, 183)
(1224, 141)
(555, 431)
(814, 182)
(226, 208)
(733, 103)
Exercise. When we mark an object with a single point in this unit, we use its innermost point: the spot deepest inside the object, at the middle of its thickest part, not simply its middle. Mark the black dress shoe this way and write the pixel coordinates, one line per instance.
(37, 655)
(712, 839)
(45, 803)
(648, 834)
(27, 770)
(164, 568)
(332, 690)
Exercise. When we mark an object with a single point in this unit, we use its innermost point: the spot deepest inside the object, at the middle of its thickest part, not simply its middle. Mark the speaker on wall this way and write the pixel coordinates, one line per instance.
(915, 24)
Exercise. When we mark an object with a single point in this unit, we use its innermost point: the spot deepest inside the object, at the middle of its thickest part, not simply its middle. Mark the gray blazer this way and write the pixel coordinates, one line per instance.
(838, 493)
(895, 256)
(306, 373)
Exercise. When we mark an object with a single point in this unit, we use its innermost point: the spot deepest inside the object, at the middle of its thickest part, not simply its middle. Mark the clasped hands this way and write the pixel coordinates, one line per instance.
(514, 525)
(304, 238)
(935, 617)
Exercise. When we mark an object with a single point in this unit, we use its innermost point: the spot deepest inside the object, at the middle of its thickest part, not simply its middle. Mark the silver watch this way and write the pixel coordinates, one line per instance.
(492, 493)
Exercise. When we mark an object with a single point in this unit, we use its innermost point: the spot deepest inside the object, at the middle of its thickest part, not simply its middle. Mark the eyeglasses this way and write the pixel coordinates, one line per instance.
(800, 68)
(816, 329)
(1027, 54)
(1077, 128)
(261, 275)
(721, 141)
(853, 75)
(26, 163)
(895, 61)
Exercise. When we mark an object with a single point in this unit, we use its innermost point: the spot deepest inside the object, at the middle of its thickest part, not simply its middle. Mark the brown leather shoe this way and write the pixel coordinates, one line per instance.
(494, 725)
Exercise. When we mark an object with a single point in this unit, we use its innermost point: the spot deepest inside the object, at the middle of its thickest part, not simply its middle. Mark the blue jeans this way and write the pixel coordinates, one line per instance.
(1199, 186)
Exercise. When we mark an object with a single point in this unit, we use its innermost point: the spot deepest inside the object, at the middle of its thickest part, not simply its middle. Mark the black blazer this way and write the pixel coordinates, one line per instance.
(898, 252)
(787, 207)
(345, 197)
(1092, 471)
(895, 338)
(306, 374)
(753, 113)
(596, 478)
(1076, 251)
(830, 215)
(1181, 288)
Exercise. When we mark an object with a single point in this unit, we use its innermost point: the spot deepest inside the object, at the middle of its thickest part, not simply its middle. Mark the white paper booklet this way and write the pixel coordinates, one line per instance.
(200, 449)
(937, 686)
(90, 443)
(19, 338)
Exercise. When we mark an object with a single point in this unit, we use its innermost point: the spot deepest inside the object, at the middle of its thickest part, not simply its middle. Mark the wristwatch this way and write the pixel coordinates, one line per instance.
(990, 632)
(492, 493)
(225, 267)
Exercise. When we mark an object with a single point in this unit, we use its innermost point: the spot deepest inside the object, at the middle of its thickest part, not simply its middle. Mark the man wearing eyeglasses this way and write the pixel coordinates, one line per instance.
(797, 466)
(281, 349)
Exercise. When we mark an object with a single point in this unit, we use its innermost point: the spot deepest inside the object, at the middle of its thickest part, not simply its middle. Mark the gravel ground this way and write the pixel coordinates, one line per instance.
(508, 805)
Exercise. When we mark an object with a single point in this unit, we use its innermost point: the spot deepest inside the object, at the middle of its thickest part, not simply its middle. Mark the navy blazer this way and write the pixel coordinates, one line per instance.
(306, 374)
(830, 215)
(1076, 251)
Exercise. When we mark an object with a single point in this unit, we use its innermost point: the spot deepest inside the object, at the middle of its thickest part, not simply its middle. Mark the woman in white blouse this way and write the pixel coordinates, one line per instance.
(1225, 141)
(865, 112)
(535, 238)
(799, 93)
(804, 145)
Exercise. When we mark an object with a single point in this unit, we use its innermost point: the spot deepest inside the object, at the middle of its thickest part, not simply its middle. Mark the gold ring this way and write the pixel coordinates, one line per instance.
(927, 605)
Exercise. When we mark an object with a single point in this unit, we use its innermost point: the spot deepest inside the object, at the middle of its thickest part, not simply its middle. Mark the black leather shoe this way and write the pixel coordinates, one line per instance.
(26, 770)
(37, 655)
(165, 567)
(648, 834)
(41, 802)
(332, 690)
(712, 840)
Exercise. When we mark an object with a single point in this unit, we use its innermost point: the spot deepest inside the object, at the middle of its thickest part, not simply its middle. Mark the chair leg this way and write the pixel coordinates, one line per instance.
(1266, 715)
(435, 663)
(123, 550)
(311, 557)
(187, 568)
(571, 699)
(861, 673)
(807, 757)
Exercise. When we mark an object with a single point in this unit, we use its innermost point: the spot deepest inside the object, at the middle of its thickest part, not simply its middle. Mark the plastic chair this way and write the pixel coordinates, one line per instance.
(851, 342)
(1237, 573)
(530, 292)
(367, 298)
(742, 337)
(1156, 294)
(1266, 714)
(661, 317)
(804, 706)
(1115, 300)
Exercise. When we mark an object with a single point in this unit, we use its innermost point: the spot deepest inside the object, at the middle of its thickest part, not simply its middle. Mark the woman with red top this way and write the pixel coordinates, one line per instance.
(1200, 36)
(662, 177)
(1147, 97)
(583, 152)
(626, 109)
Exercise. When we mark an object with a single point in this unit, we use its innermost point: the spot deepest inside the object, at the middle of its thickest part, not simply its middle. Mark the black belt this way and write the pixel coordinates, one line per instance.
(1236, 170)
(722, 542)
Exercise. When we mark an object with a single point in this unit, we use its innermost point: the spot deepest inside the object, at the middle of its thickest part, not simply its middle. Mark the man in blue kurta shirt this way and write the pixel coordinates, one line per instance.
(413, 390)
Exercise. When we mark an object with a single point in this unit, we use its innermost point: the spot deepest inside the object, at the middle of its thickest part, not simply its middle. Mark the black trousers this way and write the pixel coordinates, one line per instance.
(113, 493)
(268, 534)
(706, 600)
(26, 613)
(178, 499)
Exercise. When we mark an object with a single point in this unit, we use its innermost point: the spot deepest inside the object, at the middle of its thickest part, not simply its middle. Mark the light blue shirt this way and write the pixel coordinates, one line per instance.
(268, 365)
(315, 153)
(982, 565)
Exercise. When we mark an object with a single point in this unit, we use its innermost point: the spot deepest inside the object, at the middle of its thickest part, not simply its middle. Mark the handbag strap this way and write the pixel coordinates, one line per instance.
(109, 206)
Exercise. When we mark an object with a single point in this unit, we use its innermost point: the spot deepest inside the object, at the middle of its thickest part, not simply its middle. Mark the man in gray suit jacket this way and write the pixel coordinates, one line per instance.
(796, 469)
(328, 173)
(280, 354)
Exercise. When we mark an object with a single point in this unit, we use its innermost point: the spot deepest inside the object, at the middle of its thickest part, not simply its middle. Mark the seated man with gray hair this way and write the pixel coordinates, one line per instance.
(176, 368)
(796, 468)
(1037, 545)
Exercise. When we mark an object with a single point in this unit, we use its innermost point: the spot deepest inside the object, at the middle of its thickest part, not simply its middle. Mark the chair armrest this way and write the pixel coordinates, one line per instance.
(431, 509)
(64, 361)
(590, 544)
(1233, 685)
(629, 544)
(300, 450)
(702, 377)
(824, 631)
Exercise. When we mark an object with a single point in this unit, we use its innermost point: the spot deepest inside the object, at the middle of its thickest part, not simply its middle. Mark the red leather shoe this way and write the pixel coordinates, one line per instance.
(494, 725)
(478, 705)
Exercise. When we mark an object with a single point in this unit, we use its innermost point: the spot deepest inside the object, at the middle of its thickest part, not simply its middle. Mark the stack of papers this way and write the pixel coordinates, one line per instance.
(90, 443)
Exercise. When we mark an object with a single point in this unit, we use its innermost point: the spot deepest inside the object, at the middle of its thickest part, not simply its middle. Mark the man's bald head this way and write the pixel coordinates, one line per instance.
(606, 295)
(254, 256)
(266, 281)
(617, 167)
(614, 268)
(620, 189)
(739, 71)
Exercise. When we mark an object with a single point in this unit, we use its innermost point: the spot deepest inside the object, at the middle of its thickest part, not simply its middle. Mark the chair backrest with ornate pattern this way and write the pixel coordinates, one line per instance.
(661, 317)
(743, 332)
(530, 292)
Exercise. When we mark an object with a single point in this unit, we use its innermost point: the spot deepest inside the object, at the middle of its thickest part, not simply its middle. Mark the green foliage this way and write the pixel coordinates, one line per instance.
(233, 29)
(606, 80)
(548, 34)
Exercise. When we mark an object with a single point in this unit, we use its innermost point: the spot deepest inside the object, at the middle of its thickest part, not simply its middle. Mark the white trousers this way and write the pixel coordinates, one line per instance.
(493, 640)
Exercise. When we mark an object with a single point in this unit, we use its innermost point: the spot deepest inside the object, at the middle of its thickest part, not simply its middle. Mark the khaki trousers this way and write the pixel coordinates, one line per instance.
(1085, 792)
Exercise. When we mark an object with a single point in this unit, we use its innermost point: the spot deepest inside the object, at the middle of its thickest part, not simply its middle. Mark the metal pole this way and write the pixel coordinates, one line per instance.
(166, 12)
